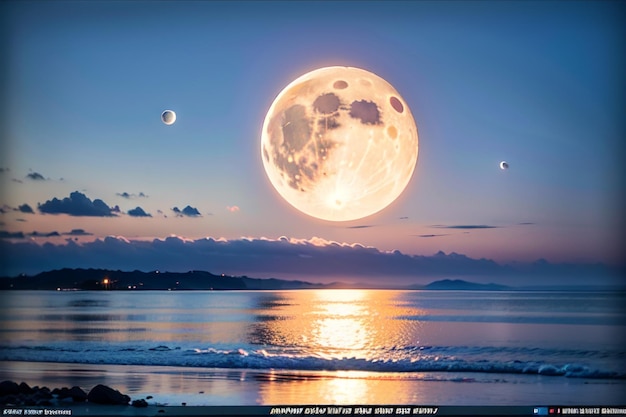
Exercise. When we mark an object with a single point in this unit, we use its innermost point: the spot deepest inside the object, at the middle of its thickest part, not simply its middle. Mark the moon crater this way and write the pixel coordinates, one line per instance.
(366, 111)
(326, 103)
(339, 143)
(396, 104)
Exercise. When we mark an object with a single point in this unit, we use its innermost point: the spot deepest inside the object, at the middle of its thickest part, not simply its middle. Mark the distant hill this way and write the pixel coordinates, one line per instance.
(102, 279)
(458, 284)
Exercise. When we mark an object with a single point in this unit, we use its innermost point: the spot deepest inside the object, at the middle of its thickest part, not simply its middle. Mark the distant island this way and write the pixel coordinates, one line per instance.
(104, 279)
(79, 279)
(459, 284)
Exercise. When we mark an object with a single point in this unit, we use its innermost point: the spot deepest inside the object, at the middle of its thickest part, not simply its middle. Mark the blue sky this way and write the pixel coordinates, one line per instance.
(539, 84)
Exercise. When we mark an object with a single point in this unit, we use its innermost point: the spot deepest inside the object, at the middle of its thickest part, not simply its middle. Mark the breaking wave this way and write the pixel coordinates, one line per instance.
(456, 359)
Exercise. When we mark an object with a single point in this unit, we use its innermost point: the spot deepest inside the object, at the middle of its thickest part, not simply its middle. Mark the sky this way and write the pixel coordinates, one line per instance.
(87, 166)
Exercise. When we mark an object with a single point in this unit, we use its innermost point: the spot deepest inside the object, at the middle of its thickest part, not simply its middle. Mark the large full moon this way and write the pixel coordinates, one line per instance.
(339, 143)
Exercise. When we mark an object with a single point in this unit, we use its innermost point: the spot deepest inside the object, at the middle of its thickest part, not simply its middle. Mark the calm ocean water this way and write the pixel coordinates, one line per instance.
(444, 335)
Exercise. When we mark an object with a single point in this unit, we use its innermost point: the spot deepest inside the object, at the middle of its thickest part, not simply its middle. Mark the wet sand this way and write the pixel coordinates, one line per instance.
(167, 388)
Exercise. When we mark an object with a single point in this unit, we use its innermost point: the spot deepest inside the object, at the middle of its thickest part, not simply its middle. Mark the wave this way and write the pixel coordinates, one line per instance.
(417, 359)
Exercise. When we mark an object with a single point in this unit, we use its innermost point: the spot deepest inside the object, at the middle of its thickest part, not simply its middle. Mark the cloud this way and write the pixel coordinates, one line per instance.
(465, 226)
(77, 232)
(364, 226)
(11, 235)
(525, 223)
(2, 170)
(191, 211)
(35, 176)
(431, 235)
(49, 234)
(314, 259)
(129, 196)
(22, 235)
(77, 204)
(16, 180)
(25, 208)
(187, 211)
(232, 209)
(138, 212)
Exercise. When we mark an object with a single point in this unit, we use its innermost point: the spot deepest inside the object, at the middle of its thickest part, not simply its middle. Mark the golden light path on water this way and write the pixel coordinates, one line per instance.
(341, 325)
(337, 324)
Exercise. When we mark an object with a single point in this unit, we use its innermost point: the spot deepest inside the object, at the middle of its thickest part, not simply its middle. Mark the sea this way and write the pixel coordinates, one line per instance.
(322, 346)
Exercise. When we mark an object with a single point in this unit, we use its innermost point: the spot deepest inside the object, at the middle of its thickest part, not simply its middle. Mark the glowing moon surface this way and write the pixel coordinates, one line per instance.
(504, 165)
(339, 143)
(168, 117)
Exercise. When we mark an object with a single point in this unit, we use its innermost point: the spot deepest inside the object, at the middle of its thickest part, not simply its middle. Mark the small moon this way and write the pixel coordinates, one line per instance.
(168, 117)
(504, 165)
(339, 143)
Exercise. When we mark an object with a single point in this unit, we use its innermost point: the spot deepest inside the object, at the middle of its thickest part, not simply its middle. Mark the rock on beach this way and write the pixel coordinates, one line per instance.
(22, 394)
(101, 394)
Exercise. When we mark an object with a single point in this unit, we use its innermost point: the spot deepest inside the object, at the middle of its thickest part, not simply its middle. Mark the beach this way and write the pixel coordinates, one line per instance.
(173, 386)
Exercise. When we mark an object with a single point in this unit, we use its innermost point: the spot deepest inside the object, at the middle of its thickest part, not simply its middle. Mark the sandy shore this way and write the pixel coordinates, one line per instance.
(167, 388)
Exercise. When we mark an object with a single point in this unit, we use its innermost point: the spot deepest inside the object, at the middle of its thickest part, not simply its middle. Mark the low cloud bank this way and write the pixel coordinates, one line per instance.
(315, 259)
